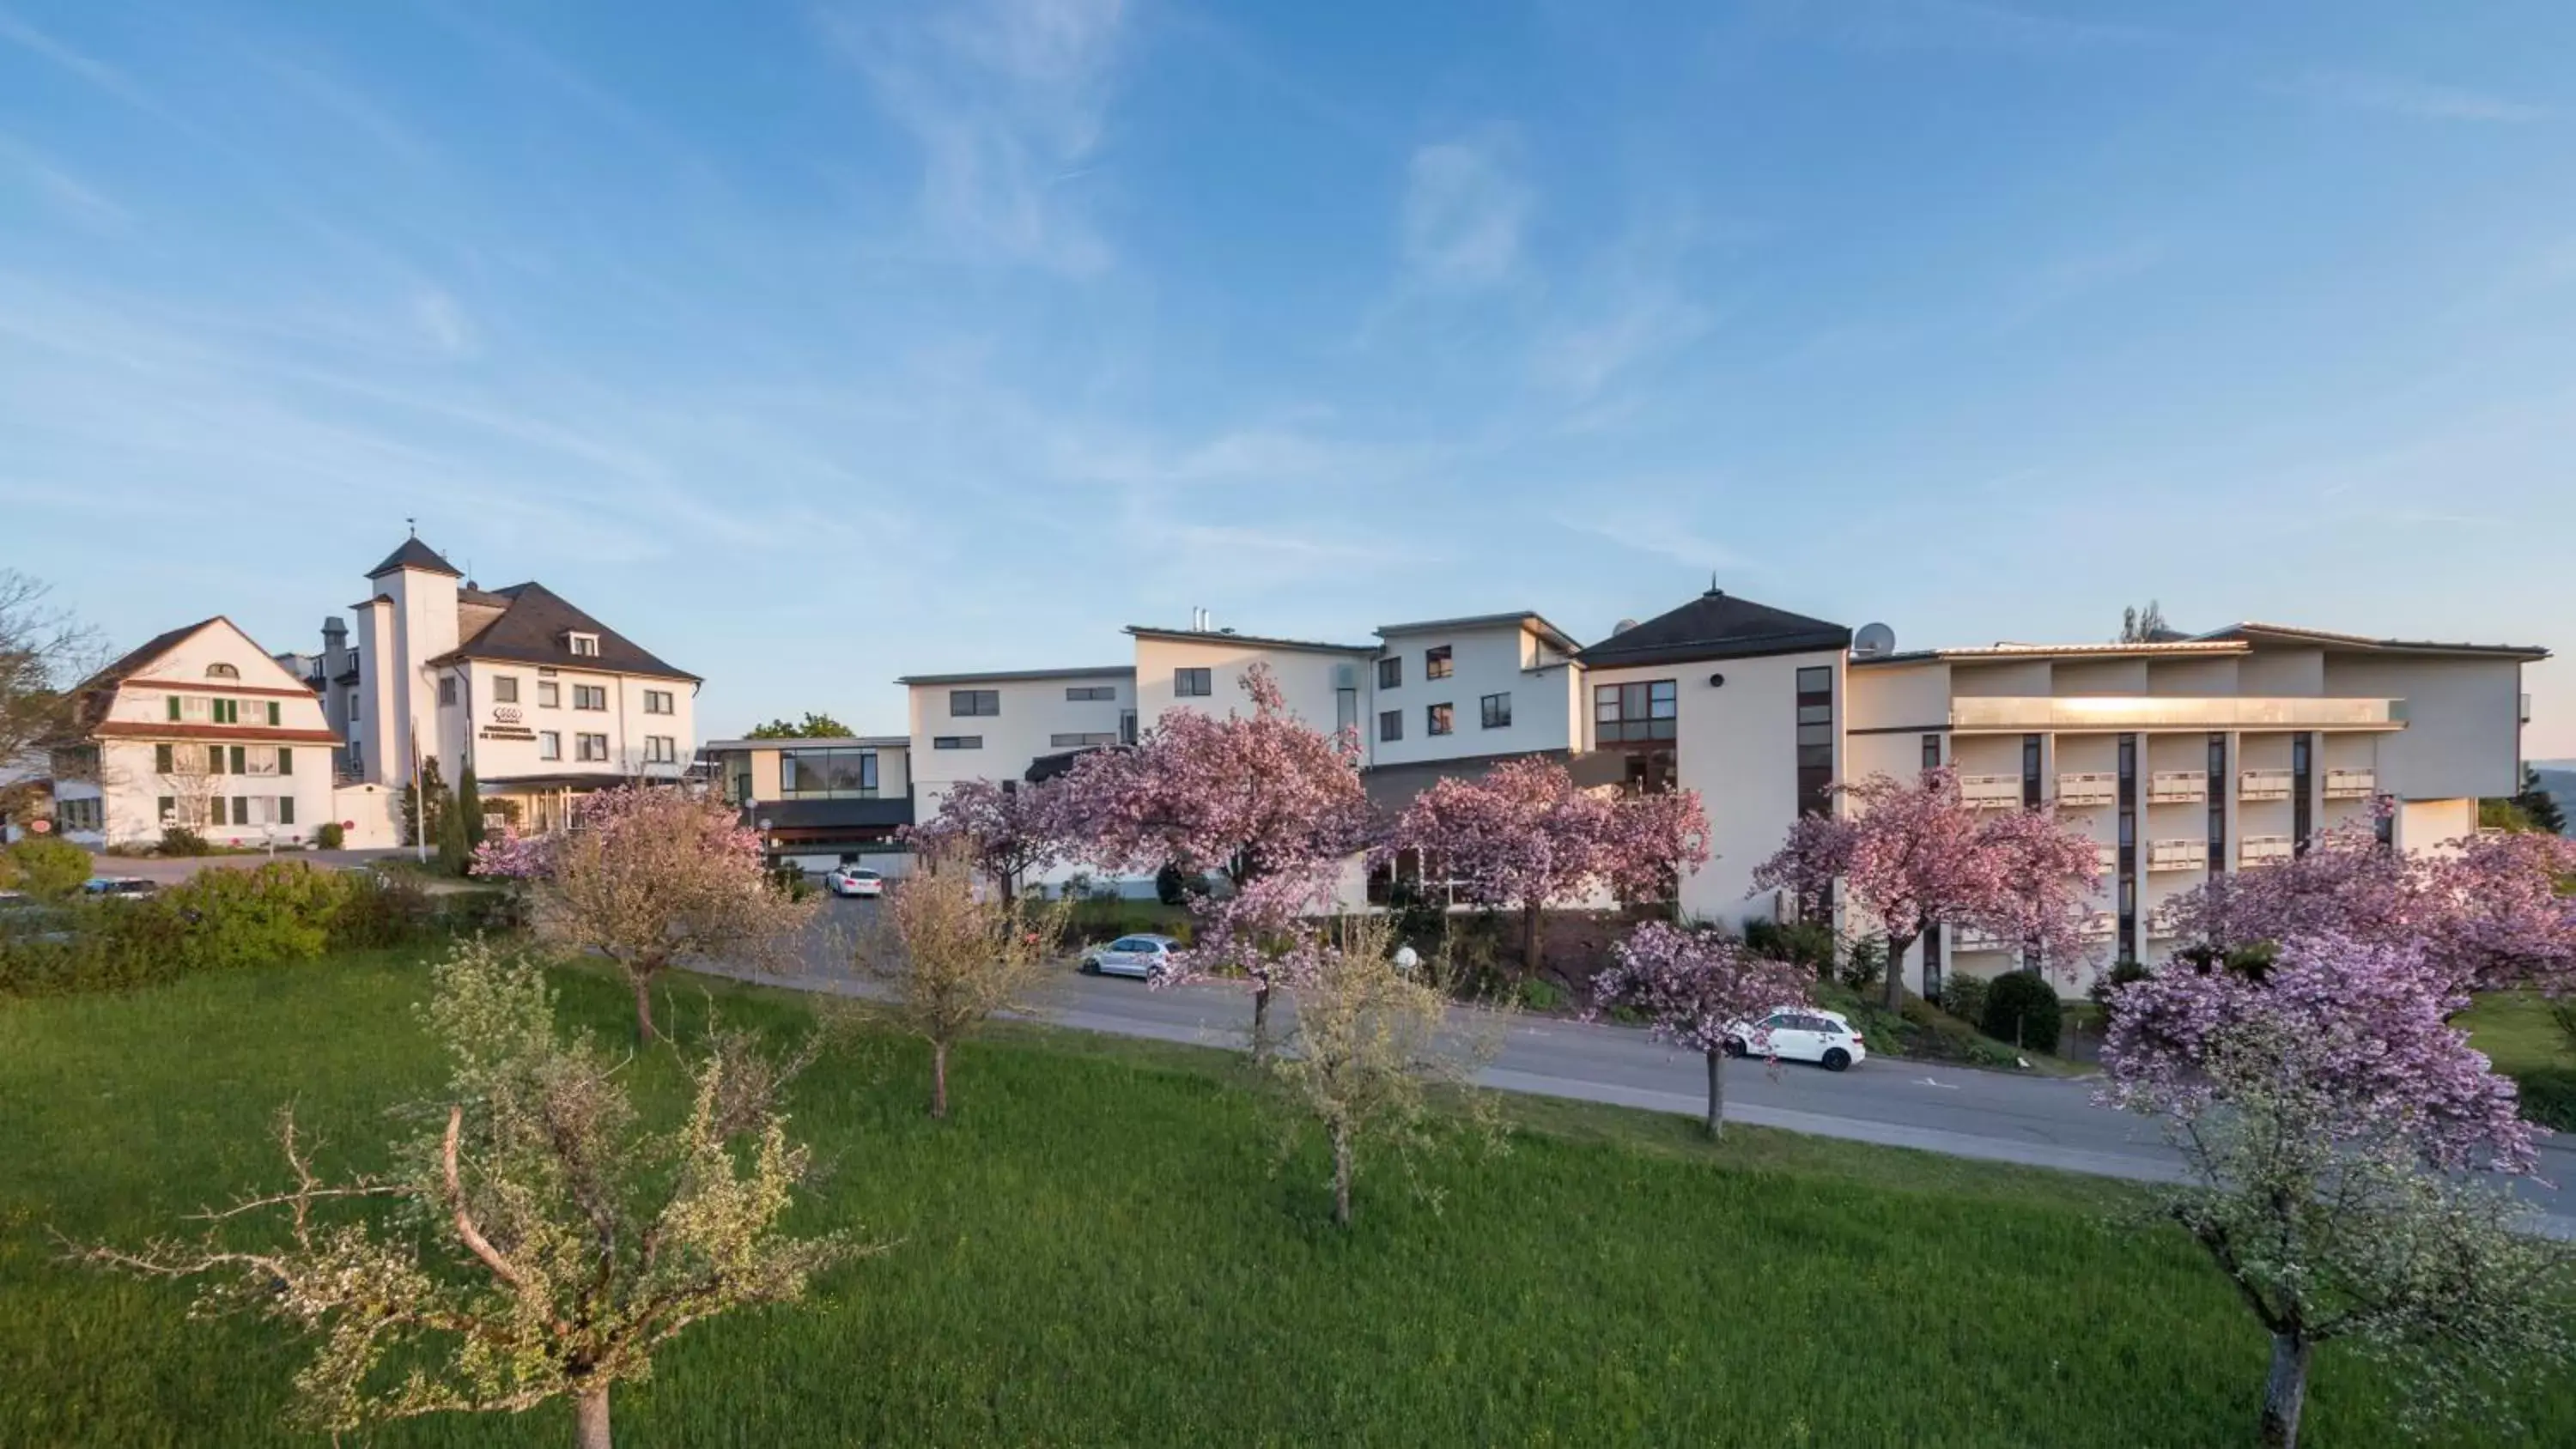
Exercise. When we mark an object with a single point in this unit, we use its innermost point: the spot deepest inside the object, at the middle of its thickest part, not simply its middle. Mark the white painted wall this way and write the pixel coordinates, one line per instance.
(131, 783)
(2463, 734)
(1033, 712)
(1308, 678)
(1489, 659)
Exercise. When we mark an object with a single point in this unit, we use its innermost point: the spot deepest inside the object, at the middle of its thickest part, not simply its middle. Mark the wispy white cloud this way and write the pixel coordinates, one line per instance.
(88, 68)
(67, 194)
(2072, 278)
(1008, 101)
(1660, 533)
(1464, 211)
(2396, 95)
(443, 322)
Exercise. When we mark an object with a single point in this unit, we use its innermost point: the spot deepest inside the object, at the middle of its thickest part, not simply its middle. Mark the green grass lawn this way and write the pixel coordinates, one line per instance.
(2517, 1033)
(1104, 1246)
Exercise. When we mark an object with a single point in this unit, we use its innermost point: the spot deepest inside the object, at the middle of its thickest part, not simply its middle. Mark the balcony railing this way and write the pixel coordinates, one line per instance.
(2351, 784)
(2264, 849)
(1976, 938)
(2178, 787)
(2178, 855)
(2108, 857)
(2087, 787)
(2101, 926)
(1990, 792)
(2264, 784)
(2023, 714)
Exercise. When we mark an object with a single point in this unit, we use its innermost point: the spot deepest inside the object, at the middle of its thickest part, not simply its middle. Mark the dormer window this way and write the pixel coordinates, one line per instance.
(584, 645)
(222, 671)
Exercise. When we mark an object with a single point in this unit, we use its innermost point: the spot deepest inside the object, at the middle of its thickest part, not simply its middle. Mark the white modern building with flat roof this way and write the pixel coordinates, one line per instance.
(820, 801)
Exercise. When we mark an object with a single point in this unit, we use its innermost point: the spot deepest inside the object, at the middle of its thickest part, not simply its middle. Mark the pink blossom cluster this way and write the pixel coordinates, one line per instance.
(1525, 835)
(712, 825)
(1008, 828)
(2359, 1028)
(505, 854)
(1692, 985)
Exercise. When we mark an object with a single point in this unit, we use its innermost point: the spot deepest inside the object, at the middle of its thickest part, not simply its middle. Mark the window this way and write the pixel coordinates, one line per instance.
(741, 788)
(222, 671)
(162, 761)
(590, 696)
(966, 703)
(285, 760)
(657, 701)
(227, 711)
(1633, 713)
(1084, 693)
(214, 759)
(241, 810)
(549, 695)
(2302, 813)
(215, 811)
(1931, 752)
(1497, 711)
(1082, 741)
(1436, 719)
(1346, 711)
(1390, 724)
(549, 745)
(167, 809)
(590, 747)
(2217, 801)
(957, 742)
(285, 809)
(1192, 683)
(447, 689)
(1390, 672)
(353, 706)
(1815, 722)
(240, 762)
(505, 689)
(178, 707)
(808, 774)
(1126, 726)
(584, 645)
(274, 718)
(661, 750)
(1436, 663)
(2030, 775)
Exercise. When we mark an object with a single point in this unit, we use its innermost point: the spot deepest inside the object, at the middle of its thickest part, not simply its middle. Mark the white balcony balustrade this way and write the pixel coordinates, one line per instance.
(2264, 784)
(2264, 849)
(1990, 792)
(2087, 787)
(2351, 784)
(2178, 787)
(2101, 926)
(2107, 857)
(2178, 855)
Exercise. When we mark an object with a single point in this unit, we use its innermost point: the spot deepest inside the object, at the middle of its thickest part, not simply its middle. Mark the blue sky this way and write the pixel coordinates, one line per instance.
(814, 343)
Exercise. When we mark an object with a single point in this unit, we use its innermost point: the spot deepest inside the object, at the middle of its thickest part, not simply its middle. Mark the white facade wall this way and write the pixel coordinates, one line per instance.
(2463, 735)
(479, 728)
(1310, 680)
(1034, 711)
(1501, 658)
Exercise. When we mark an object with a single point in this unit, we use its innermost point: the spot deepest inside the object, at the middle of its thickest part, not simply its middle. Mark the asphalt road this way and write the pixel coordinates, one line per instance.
(1963, 1112)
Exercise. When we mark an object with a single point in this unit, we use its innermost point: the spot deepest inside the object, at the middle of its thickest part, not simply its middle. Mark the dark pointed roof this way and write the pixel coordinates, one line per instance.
(1716, 626)
(414, 554)
(533, 630)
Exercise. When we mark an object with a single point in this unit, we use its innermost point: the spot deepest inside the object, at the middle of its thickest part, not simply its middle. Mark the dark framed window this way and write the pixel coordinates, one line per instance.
(1931, 752)
(1436, 719)
(1635, 713)
(657, 701)
(1650, 770)
(549, 744)
(1193, 683)
(505, 689)
(275, 717)
(285, 760)
(215, 811)
(1436, 663)
(1390, 724)
(2217, 801)
(590, 696)
(549, 696)
(1390, 673)
(2129, 945)
(228, 711)
(163, 761)
(241, 760)
(813, 774)
(2302, 810)
(1346, 710)
(168, 808)
(1080, 693)
(1815, 739)
(1082, 741)
(957, 742)
(1497, 710)
(591, 747)
(2033, 787)
(447, 689)
(963, 703)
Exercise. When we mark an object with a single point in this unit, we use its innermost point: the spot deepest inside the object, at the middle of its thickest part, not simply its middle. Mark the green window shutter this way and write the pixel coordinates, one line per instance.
(241, 809)
(174, 706)
(285, 760)
(285, 809)
(215, 811)
(214, 759)
(273, 708)
(241, 762)
(161, 760)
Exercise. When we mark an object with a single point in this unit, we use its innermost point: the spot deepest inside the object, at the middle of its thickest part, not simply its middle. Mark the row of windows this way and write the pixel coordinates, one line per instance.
(233, 810)
(1083, 740)
(957, 742)
(805, 773)
(594, 747)
(224, 760)
(505, 690)
(1437, 663)
(201, 709)
(1081, 693)
(1440, 719)
(1626, 713)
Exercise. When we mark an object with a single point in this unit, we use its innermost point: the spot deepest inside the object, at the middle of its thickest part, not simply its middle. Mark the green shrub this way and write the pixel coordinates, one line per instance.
(2122, 973)
(2549, 1097)
(180, 840)
(47, 867)
(1541, 995)
(1864, 964)
(226, 920)
(1810, 943)
(328, 835)
(1095, 919)
(379, 910)
(1965, 998)
(2022, 1008)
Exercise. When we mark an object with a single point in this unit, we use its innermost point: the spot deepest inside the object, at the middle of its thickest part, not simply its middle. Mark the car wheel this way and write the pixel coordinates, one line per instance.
(1734, 1048)
(1090, 967)
(1836, 1059)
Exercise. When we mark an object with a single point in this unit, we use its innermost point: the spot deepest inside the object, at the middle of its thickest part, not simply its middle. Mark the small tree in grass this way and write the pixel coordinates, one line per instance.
(1374, 1046)
(950, 963)
(653, 877)
(469, 814)
(1691, 986)
(2342, 1143)
(543, 1245)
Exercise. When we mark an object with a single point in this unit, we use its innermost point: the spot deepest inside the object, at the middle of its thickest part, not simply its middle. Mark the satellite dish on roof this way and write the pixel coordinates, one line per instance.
(1623, 626)
(1873, 641)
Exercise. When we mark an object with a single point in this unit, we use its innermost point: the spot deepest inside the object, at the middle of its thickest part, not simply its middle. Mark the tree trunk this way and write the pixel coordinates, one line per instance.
(2285, 1393)
(590, 1419)
(1260, 1021)
(1530, 953)
(1897, 946)
(939, 1079)
(1342, 1176)
(1716, 1095)
(644, 1031)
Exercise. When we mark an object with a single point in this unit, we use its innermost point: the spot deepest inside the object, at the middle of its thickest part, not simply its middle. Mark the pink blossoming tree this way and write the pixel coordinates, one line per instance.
(1691, 986)
(1523, 836)
(1006, 829)
(1916, 856)
(2341, 1141)
(1256, 796)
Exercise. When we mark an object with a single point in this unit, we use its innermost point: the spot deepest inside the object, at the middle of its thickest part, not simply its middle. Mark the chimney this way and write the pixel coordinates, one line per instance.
(335, 648)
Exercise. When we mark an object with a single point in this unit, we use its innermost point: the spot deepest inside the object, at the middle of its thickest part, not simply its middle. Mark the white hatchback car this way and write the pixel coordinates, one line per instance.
(849, 880)
(1141, 955)
(1799, 1034)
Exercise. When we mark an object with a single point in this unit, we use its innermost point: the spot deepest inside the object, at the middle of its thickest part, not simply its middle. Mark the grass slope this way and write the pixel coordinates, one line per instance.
(2516, 1031)
(1106, 1247)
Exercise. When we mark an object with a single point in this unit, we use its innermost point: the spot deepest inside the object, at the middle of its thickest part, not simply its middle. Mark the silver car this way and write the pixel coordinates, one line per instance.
(1139, 955)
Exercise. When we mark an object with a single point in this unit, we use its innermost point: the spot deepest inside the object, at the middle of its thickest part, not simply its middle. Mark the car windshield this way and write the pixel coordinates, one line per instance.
(1131, 943)
(863, 875)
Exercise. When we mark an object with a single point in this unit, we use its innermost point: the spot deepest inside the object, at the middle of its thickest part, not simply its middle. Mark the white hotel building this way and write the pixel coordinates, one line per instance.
(2218, 752)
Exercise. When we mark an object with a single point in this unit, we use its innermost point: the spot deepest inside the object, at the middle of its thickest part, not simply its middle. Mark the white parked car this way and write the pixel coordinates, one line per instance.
(1139, 955)
(1799, 1034)
(849, 880)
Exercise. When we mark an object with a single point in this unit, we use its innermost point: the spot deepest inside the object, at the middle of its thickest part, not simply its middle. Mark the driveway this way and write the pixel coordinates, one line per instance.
(1958, 1111)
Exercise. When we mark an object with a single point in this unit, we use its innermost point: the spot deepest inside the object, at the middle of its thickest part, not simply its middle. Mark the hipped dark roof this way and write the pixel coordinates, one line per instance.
(1716, 626)
(415, 554)
(532, 630)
